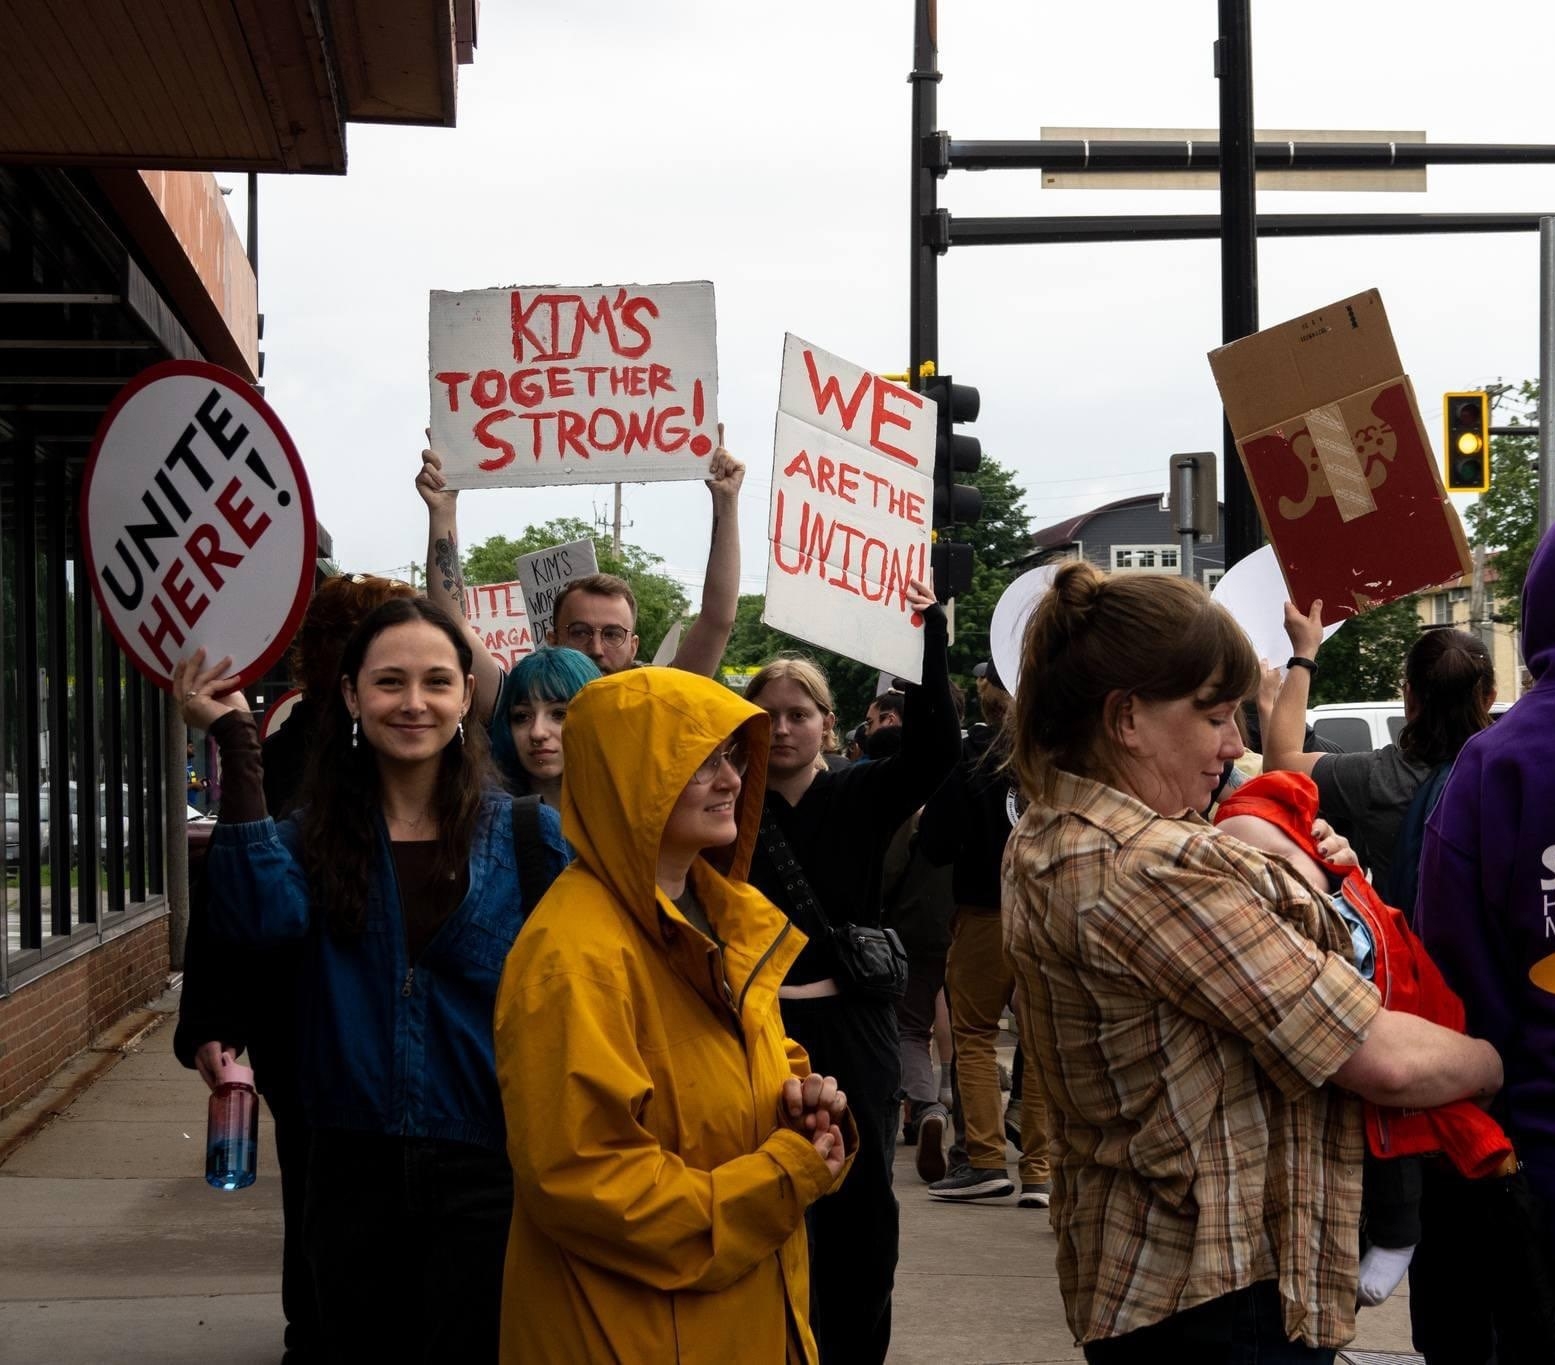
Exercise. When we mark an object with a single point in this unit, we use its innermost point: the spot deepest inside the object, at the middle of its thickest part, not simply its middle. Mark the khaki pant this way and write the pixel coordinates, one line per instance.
(979, 983)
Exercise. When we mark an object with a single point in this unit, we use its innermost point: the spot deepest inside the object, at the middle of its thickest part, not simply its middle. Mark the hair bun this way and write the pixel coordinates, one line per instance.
(1076, 588)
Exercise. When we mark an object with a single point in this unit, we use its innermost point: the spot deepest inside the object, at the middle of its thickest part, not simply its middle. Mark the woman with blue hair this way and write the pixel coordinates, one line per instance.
(526, 723)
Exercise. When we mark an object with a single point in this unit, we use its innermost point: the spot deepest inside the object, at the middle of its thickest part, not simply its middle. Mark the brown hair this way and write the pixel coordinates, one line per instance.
(1452, 684)
(337, 607)
(341, 819)
(1150, 635)
(601, 585)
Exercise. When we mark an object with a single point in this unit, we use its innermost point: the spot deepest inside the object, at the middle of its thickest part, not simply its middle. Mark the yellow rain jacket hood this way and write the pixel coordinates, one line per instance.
(658, 1205)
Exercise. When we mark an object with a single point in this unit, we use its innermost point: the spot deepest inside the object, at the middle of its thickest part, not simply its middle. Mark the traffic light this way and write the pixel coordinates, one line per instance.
(1467, 446)
(955, 503)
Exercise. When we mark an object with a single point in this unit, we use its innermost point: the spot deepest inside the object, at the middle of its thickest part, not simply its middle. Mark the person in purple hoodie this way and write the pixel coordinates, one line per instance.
(1486, 913)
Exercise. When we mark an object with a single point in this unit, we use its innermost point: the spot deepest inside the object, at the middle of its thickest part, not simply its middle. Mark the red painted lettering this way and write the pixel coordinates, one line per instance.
(591, 373)
(880, 415)
(670, 439)
(204, 548)
(569, 427)
(831, 392)
(489, 389)
(488, 438)
(451, 379)
(558, 382)
(164, 629)
(525, 389)
(825, 470)
(659, 381)
(801, 461)
(237, 515)
(177, 584)
(596, 429)
(629, 314)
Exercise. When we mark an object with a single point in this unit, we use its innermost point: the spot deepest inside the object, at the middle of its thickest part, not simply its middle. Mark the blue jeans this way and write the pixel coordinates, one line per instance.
(1245, 1327)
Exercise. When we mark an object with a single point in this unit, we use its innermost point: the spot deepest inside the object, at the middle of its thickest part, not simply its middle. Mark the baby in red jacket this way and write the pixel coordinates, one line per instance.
(1275, 813)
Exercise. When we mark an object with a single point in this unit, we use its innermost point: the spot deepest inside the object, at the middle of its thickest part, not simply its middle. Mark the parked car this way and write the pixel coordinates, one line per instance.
(1357, 726)
(13, 827)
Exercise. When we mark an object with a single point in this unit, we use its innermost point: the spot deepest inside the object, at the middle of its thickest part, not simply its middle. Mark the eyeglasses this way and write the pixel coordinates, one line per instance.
(737, 756)
(583, 635)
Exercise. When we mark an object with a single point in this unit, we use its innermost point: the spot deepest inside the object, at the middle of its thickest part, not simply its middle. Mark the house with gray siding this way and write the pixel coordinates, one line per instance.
(1132, 535)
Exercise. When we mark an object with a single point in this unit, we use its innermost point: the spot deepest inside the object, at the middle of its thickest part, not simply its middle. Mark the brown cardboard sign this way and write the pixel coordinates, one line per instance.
(1329, 432)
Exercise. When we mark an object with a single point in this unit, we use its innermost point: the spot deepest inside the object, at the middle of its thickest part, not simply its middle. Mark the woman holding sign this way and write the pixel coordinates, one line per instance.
(400, 877)
(823, 841)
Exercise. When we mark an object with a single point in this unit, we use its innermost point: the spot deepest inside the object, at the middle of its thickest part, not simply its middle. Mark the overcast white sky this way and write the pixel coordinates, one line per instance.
(766, 148)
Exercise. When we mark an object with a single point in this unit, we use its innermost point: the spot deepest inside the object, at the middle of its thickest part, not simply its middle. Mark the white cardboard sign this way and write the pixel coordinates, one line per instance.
(852, 503)
(497, 611)
(544, 573)
(556, 385)
(197, 522)
(1253, 590)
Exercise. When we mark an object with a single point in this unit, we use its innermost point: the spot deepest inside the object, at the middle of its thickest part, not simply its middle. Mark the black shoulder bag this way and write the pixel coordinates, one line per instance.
(871, 963)
(528, 848)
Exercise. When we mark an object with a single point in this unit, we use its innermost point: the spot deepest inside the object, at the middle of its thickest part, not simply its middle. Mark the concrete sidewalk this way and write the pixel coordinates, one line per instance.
(113, 1249)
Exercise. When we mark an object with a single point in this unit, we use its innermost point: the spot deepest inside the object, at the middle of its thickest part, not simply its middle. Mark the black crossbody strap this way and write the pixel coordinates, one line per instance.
(528, 848)
(800, 896)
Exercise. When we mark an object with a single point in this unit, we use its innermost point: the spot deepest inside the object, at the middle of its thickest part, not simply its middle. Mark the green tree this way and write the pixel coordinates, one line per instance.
(661, 601)
(1505, 518)
(1365, 660)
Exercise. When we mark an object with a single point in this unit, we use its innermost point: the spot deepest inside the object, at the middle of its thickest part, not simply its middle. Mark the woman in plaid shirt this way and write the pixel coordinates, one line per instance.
(1201, 1031)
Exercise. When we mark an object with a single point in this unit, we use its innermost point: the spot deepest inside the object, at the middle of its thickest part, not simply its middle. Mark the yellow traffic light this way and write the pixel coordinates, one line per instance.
(1466, 417)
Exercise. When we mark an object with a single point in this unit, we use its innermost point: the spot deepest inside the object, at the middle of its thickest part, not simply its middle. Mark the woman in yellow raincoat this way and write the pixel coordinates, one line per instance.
(666, 1138)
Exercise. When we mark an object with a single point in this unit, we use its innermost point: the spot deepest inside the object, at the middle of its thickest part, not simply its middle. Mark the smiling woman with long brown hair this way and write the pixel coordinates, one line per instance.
(400, 876)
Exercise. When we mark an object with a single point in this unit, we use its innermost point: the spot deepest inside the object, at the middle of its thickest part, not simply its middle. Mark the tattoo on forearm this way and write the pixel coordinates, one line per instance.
(445, 555)
(713, 539)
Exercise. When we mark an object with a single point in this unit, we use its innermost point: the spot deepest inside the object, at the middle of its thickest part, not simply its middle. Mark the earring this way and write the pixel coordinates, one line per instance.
(355, 726)
(461, 732)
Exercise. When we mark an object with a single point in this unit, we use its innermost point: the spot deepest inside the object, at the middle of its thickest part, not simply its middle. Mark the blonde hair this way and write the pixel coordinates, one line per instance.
(1151, 636)
(794, 668)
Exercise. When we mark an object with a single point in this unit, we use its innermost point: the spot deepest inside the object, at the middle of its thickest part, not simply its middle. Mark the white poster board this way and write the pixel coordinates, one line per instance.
(497, 611)
(553, 385)
(1253, 590)
(852, 504)
(197, 522)
(544, 573)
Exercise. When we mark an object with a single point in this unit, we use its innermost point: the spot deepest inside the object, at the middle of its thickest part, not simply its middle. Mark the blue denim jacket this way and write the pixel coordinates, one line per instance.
(387, 1047)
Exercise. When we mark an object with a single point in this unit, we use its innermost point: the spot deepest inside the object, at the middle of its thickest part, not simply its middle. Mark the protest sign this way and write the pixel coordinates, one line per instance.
(1253, 591)
(497, 611)
(852, 502)
(552, 385)
(1329, 432)
(197, 522)
(546, 572)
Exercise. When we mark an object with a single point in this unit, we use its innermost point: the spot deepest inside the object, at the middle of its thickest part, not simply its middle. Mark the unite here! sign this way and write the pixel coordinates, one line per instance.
(852, 499)
(197, 522)
(552, 385)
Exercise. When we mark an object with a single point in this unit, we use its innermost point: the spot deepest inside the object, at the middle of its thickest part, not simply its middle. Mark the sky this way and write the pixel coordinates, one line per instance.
(766, 148)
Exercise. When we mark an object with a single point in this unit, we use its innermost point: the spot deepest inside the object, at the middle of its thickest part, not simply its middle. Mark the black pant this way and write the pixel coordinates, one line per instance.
(407, 1238)
(293, 1141)
(853, 1233)
(1245, 1327)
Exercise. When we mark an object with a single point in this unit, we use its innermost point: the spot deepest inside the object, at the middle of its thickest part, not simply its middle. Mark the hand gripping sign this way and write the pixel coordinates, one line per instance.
(197, 522)
(852, 500)
(553, 385)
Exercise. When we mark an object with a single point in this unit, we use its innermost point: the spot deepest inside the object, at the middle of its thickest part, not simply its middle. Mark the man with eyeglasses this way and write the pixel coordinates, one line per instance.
(596, 615)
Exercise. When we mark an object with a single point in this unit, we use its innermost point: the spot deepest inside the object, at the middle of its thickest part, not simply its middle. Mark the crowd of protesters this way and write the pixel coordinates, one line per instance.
(592, 1001)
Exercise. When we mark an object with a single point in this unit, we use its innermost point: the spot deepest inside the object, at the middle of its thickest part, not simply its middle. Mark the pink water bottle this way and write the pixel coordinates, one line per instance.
(232, 1131)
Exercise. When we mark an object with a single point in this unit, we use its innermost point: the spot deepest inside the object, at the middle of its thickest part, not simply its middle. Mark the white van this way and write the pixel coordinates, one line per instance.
(1356, 726)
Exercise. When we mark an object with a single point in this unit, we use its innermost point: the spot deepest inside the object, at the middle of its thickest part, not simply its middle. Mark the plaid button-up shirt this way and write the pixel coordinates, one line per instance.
(1186, 998)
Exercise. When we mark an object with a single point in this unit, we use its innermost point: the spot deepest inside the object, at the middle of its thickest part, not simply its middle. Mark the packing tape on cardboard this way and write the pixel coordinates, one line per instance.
(1341, 466)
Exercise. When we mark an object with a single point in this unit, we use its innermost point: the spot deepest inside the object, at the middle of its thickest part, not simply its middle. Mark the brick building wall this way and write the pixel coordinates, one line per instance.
(49, 1020)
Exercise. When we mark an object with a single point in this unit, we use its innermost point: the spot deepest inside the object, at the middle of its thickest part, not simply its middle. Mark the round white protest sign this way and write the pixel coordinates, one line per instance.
(1253, 590)
(1010, 615)
(197, 522)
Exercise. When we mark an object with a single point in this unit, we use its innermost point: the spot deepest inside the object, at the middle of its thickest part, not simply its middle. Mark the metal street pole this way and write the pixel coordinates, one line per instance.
(1238, 246)
(1546, 372)
(923, 276)
(1185, 513)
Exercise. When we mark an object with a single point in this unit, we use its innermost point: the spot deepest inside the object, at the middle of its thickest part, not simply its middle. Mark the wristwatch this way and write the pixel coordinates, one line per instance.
(1298, 661)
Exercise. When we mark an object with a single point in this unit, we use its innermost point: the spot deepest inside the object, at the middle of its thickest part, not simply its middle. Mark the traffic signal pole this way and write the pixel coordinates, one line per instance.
(923, 277)
(1238, 248)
